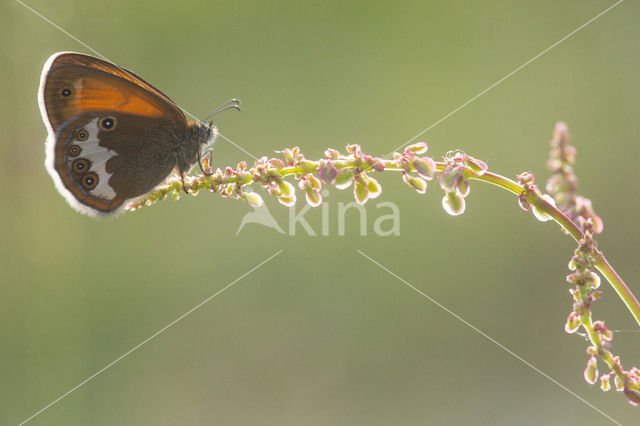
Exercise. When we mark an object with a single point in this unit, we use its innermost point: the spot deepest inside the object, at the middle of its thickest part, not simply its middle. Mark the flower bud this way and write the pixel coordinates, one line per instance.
(561, 132)
(314, 199)
(327, 171)
(304, 184)
(253, 199)
(286, 188)
(591, 372)
(633, 395)
(607, 335)
(274, 190)
(524, 203)
(574, 292)
(573, 323)
(332, 154)
(376, 164)
(463, 187)
(315, 182)
(360, 193)
(425, 166)
(343, 179)
(598, 224)
(308, 165)
(287, 200)
(227, 191)
(525, 178)
(404, 163)
(605, 382)
(353, 149)
(604, 332)
(374, 188)
(477, 167)
(288, 156)
(453, 203)
(449, 178)
(276, 163)
(553, 163)
(417, 183)
(417, 148)
(593, 279)
(618, 382)
(541, 215)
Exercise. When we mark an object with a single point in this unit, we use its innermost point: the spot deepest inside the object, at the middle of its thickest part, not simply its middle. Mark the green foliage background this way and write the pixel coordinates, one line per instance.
(320, 335)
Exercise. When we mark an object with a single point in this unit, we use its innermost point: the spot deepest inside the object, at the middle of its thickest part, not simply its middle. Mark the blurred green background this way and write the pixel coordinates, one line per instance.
(320, 335)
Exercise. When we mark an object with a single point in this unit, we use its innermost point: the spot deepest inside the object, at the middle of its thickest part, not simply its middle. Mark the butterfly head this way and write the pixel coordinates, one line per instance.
(205, 133)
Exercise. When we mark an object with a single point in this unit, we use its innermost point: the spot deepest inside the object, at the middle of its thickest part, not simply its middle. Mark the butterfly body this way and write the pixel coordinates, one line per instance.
(112, 136)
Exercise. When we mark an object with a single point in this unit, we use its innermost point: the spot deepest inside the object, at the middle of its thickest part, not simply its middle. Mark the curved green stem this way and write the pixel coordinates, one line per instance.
(618, 285)
(244, 176)
(574, 230)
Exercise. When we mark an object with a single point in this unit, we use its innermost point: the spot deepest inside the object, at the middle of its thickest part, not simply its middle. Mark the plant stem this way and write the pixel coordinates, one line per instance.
(574, 230)
(618, 285)
(244, 177)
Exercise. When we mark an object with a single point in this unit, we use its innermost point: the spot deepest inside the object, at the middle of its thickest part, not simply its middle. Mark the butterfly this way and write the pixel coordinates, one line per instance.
(113, 137)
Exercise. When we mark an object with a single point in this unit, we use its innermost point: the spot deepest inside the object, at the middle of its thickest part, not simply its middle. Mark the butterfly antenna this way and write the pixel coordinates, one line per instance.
(230, 104)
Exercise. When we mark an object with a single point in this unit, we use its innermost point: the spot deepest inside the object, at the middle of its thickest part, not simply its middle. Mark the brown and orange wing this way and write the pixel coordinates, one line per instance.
(73, 84)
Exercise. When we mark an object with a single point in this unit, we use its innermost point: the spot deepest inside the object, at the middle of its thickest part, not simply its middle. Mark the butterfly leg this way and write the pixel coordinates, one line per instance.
(184, 187)
(207, 153)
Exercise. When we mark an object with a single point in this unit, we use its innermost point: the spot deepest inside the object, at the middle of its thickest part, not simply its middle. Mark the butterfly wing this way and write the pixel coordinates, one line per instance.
(99, 170)
(97, 85)
(112, 136)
